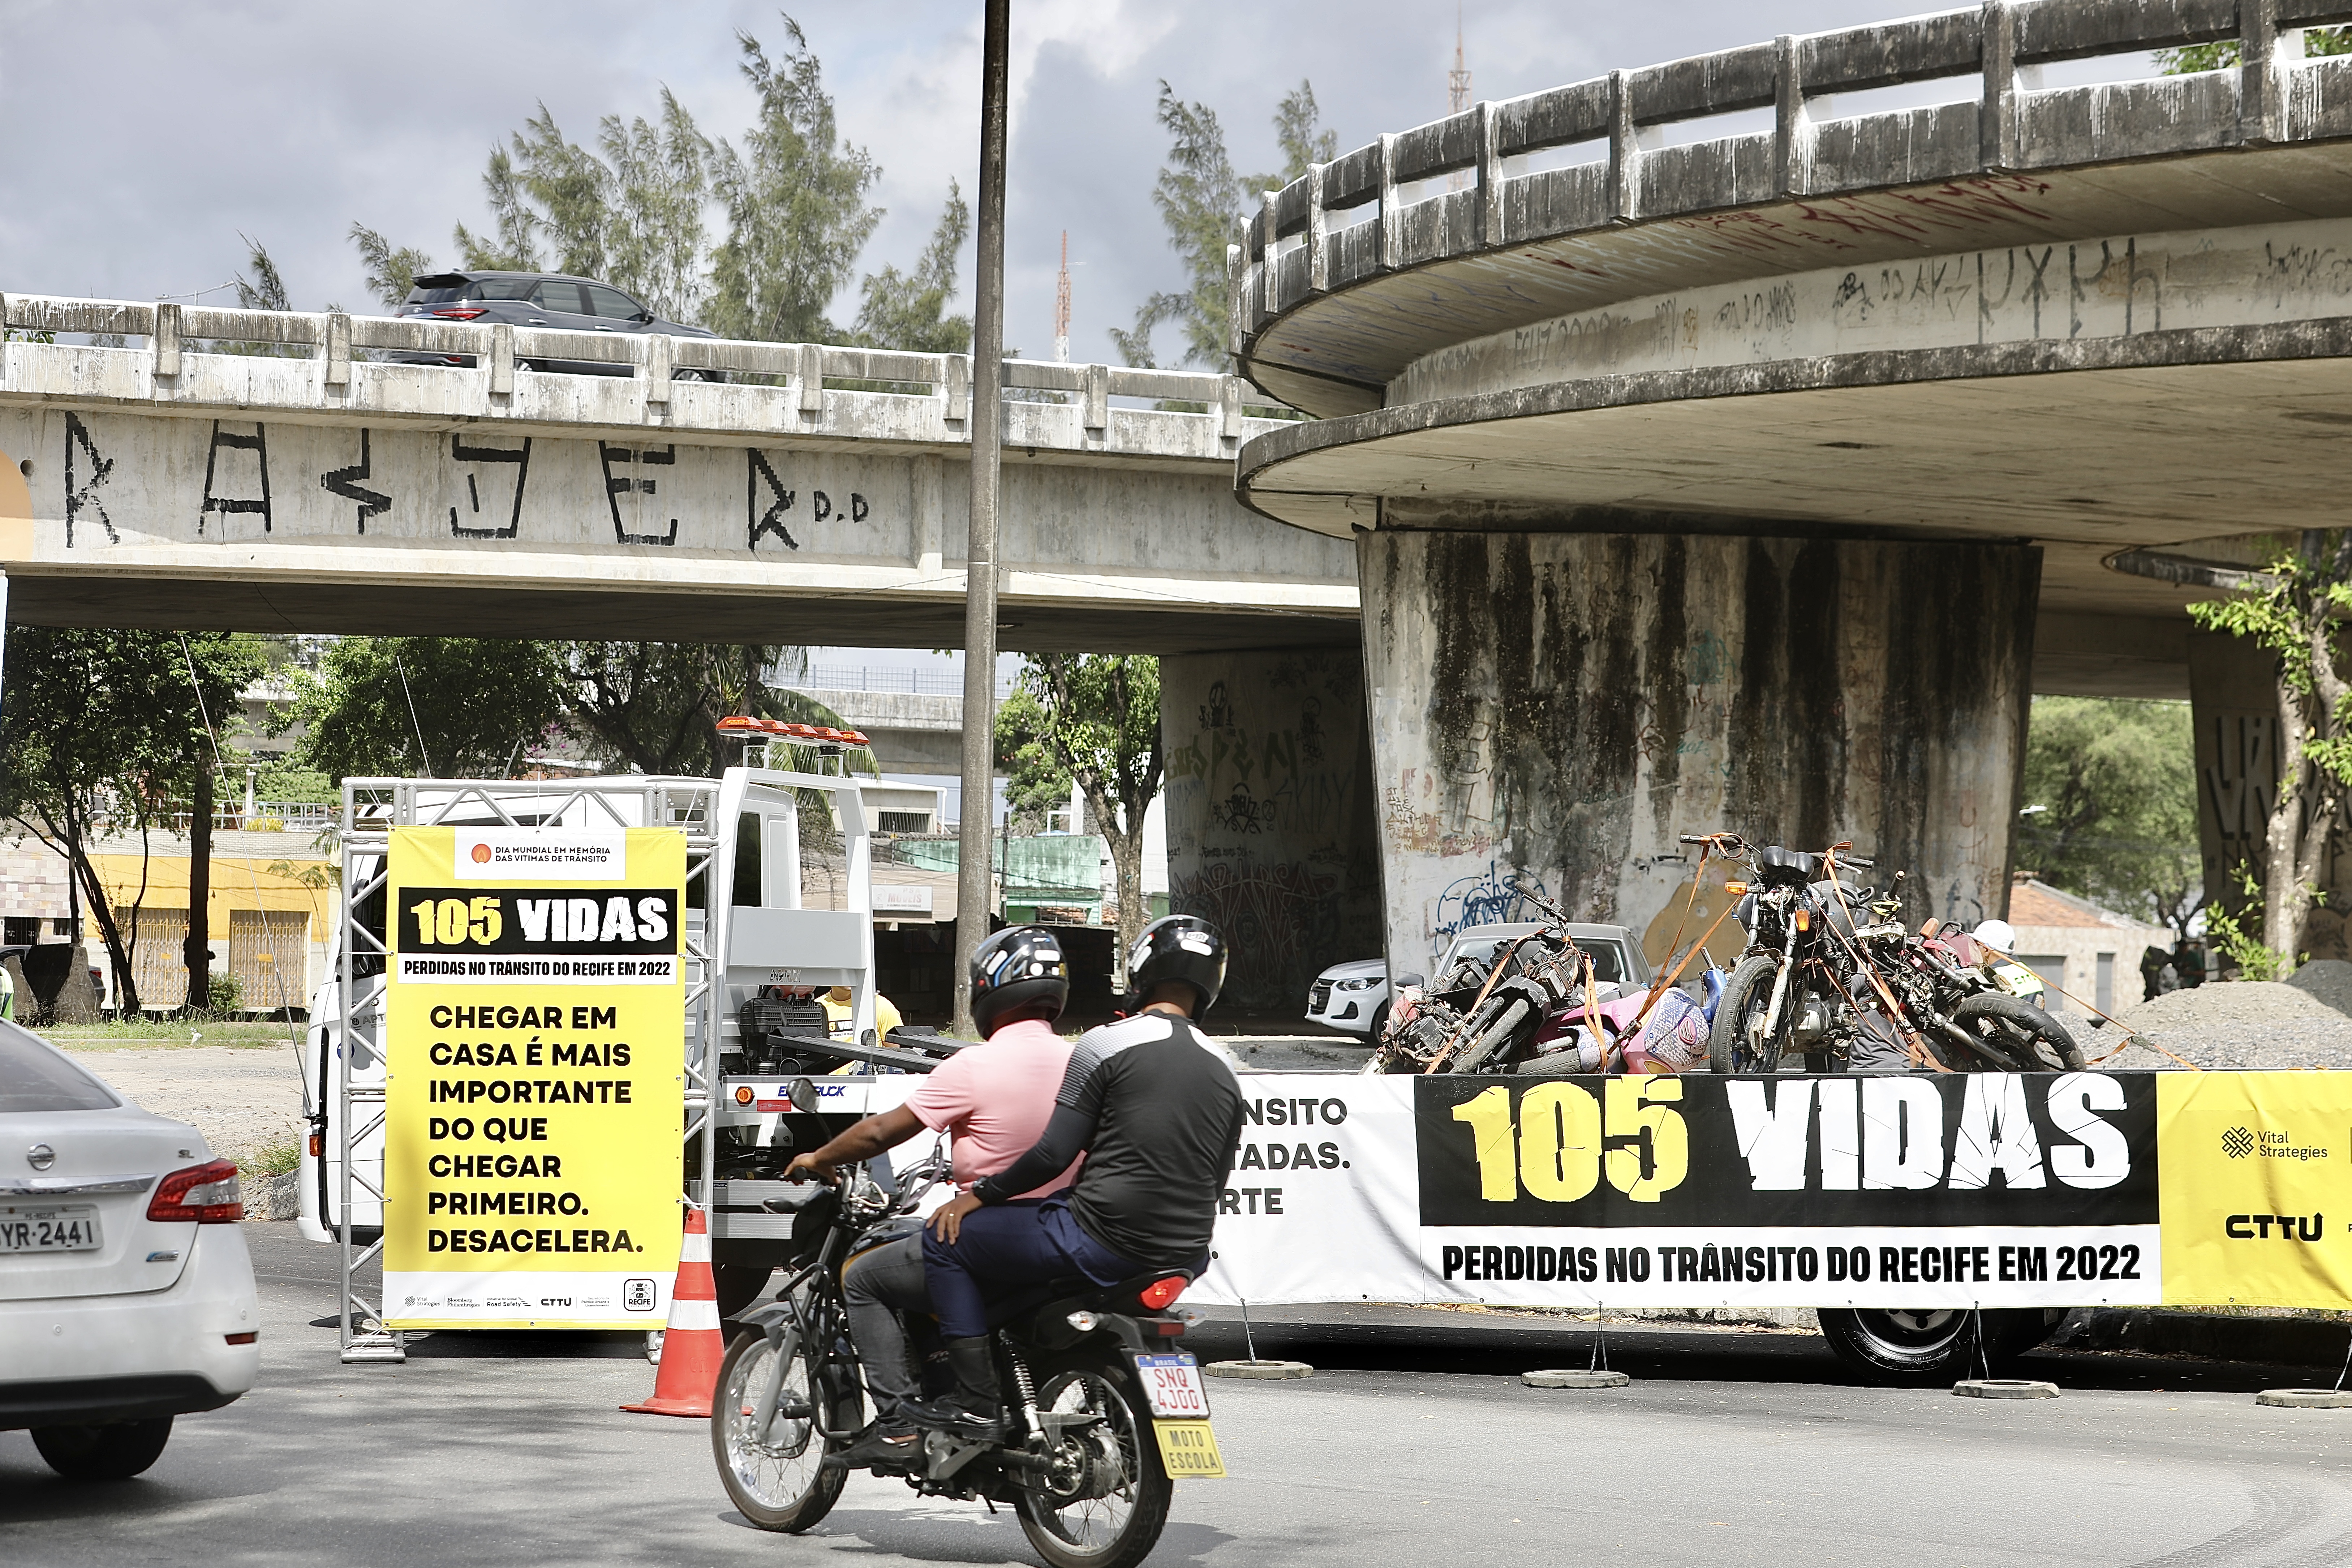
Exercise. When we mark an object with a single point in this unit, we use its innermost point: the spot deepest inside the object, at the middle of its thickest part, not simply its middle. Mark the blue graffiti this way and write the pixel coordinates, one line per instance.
(1489, 898)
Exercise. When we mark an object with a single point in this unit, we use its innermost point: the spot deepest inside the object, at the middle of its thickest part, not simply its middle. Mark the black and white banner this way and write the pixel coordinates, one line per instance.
(1975, 1189)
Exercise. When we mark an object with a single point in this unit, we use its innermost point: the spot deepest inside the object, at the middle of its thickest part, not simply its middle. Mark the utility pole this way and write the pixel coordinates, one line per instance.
(1062, 305)
(973, 902)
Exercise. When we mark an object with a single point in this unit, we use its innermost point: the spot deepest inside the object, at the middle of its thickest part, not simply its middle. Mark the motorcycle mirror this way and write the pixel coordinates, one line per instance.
(1409, 979)
(802, 1094)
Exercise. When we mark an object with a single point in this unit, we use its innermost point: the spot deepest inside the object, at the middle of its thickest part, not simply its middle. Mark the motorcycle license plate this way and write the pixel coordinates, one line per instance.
(1172, 1385)
(1189, 1450)
(73, 1228)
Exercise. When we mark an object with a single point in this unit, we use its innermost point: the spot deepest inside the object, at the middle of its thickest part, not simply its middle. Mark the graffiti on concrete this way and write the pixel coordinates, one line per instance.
(520, 457)
(1217, 712)
(634, 485)
(1242, 812)
(470, 484)
(82, 497)
(767, 519)
(1275, 917)
(1486, 898)
(221, 497)
(345, 482)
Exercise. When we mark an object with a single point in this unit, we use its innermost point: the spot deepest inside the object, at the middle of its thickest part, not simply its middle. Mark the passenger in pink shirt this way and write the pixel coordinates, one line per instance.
(992, 1100)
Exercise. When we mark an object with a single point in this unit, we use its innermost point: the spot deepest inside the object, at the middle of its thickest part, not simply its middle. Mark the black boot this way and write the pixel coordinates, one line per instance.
(974, 1411)
(889, 1445)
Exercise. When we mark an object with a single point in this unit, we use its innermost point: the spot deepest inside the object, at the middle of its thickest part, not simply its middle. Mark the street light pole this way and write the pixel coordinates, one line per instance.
(973, 902)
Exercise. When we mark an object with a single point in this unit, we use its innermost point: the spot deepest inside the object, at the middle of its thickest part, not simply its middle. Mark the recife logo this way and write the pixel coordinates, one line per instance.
(2237, 1142)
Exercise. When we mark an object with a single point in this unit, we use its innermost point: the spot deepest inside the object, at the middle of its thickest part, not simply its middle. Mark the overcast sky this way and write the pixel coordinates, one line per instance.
(141, 139)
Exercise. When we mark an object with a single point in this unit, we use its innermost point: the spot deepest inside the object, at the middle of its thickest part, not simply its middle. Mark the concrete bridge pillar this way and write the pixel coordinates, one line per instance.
(1270, 808)
(1555, 708)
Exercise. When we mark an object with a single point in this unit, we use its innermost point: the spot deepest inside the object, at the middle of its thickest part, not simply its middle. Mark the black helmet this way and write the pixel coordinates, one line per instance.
(1019, 967)
(1179, 948)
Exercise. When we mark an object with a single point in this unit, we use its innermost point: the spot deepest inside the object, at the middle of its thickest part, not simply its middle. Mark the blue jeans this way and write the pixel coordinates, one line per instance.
(1003, 1248)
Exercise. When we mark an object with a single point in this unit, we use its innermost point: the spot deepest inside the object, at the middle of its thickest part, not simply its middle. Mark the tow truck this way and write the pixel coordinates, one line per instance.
(778, 911)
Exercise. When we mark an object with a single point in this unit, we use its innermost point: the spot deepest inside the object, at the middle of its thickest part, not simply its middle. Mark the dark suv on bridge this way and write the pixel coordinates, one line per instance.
(551, 300)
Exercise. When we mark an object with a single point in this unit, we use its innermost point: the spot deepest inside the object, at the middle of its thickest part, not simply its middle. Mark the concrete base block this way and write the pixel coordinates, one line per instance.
(1260, 1371)
(2307, 1398)
(2005, 1388)
(1574, 1377)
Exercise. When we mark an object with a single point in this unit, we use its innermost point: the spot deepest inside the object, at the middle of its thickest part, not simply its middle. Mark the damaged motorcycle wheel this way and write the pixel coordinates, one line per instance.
(1737, 1043)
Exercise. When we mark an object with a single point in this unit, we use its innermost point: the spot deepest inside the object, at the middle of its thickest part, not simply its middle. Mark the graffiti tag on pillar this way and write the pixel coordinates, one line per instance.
(2241, 784)
(766, 520)
(223, 493)
(1217, 712)
(81, 496)
(1242, 812)
(635, 485)
(1310, 729)
(345, 482)
(1489, 898)
(519, 457)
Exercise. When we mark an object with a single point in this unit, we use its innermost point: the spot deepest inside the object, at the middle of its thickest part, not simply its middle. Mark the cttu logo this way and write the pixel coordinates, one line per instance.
(2237, 1142)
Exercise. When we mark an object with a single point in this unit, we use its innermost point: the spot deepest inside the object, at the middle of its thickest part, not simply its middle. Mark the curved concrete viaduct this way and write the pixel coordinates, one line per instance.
(1721, 481)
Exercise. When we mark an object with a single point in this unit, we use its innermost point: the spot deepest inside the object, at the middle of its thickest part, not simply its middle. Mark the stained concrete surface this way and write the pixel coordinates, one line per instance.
(1414, 1441)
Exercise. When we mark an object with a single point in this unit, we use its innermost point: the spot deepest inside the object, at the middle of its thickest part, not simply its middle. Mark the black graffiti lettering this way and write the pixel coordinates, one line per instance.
(520, 457)
(343, 482)
(768, 519)
(820, 506)
(83, 497)
(626, 483)
(257, 444)
(858, 507)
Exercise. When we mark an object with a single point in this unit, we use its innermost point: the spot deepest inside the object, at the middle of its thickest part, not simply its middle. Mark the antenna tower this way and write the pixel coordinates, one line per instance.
(1458, 92)
(1062, 305)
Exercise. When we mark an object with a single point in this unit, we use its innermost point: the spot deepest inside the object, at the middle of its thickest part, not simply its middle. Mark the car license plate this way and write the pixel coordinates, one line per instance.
(1172, 1385)
(73, 1228)
(1189, 1450)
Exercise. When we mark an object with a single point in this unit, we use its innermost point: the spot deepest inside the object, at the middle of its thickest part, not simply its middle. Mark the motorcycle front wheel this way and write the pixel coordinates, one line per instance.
(775, 1476)
(1737, 1043)
(2020, 1031)
(1922, 1347)
(1104, 1499)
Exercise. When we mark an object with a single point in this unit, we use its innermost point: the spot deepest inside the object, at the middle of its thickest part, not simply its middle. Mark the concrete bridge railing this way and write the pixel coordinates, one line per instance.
(759, 390)
(1311, 238)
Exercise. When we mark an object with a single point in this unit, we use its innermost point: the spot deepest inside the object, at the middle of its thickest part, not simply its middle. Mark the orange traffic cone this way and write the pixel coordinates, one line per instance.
(693, 1346)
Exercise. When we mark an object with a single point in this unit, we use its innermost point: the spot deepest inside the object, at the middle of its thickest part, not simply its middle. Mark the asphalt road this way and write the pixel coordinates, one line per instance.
(1414, 1442)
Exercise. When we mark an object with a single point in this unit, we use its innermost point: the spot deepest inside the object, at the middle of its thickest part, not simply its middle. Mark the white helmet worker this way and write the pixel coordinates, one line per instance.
(1997, 935)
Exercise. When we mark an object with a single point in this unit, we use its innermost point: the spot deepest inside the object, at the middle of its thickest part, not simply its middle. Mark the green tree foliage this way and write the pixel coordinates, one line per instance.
(658, 184)
(653, 707)
(391, 272)
(1092, 719)
(2293, 612)
(1202, 201)
(105, 730)
(428, 706)
(795, 199)
(2110, 805)
(265, 290)
(908, 310)
(514, 247)
(2223, 53)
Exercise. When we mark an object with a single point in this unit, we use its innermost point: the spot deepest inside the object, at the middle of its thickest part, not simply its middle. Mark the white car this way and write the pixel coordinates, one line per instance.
(126, 1292)
(1355, 996)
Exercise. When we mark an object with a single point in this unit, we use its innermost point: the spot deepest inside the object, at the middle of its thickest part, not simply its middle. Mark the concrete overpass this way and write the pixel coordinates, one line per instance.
(1704, 474)
(801, 493)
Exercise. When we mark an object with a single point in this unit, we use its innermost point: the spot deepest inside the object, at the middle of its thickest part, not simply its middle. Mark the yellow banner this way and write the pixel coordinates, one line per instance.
(535, 1035)
(2253, 1201)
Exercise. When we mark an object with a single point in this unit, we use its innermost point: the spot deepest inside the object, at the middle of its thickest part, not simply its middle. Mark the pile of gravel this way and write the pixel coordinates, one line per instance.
(2304, 1021)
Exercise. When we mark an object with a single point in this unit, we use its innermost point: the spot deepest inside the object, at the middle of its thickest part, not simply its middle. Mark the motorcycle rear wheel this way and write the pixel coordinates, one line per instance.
(1737, 1044)
(776, 1479)
(2019, 1029)
(1119, 1528)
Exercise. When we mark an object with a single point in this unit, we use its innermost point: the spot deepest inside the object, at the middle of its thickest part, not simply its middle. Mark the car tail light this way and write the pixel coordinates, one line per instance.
(1160, 1292)
(206, 1193)
(461, 313)
(246, 1338)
